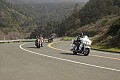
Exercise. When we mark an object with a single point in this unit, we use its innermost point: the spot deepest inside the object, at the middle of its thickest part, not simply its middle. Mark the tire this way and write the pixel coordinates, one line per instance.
(86, 52)
(38, 45)
(75, 53)
(49, 41)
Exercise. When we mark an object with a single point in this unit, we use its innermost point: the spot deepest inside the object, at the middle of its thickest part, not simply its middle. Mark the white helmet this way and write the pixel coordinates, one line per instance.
(86, 37)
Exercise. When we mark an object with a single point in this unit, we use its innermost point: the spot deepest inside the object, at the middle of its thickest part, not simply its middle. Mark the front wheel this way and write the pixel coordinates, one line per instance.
(75, 53)
(38, 45)
(86, 52)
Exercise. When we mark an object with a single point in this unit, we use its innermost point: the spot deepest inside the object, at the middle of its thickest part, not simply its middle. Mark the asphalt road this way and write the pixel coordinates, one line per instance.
(23, 61)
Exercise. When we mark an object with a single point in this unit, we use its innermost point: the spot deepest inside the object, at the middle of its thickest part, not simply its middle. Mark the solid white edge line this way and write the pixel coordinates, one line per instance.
(67, 59)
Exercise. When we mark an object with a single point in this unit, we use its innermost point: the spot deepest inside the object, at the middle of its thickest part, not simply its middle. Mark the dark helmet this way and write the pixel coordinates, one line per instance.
(40, 35)
(80, 35)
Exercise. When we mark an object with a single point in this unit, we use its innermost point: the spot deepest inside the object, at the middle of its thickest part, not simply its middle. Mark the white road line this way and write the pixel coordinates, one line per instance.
(67, 59)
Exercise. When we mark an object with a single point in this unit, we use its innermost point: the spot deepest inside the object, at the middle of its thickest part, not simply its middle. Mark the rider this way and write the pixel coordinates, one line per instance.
(41, 39)
(36, 41)
(77, 40)
(51, 37)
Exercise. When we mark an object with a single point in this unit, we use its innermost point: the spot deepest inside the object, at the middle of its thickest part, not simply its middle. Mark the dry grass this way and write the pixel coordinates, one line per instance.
(13, 35)
(103, 49)
(101, 26)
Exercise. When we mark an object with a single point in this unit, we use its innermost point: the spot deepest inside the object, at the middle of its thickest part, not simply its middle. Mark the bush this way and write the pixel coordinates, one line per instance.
(114, 29)
(118, 32)
(104, 22)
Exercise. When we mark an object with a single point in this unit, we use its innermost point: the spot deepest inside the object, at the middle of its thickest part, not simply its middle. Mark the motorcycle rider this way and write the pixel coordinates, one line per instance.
(77, 40)
(37, 39)
(50, 38)
(41, 39)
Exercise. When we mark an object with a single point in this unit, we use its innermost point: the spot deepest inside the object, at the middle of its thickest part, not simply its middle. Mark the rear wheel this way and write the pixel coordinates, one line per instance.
(75, 53)
(38, 46)
(86, 52)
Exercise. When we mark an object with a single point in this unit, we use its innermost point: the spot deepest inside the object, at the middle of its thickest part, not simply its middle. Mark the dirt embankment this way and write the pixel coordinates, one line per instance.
(13, 35)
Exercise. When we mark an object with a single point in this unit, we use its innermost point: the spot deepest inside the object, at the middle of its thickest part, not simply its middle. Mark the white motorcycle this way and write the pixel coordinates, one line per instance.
(82, 47)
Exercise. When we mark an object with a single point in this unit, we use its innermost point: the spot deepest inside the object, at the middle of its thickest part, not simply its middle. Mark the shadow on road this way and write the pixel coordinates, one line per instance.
(72, 54)
(67, 53)
(32, 47)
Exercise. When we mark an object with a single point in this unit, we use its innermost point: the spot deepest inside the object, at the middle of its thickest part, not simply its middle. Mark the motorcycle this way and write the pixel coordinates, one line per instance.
(38, 43)
(50, 40)
(82, 47)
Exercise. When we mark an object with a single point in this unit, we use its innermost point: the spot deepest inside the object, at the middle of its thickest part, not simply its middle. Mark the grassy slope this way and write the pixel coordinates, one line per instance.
(11, 21)
(97, 27)
(110, 39)
(101, 30)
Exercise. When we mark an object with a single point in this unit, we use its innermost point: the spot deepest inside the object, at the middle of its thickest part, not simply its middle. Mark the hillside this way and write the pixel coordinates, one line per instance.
(46, 12)
(93, 11)
(9, 17)
(90, 13)
(110, 38)
(98, 27)
(104, 22)
(11, 20)
(99, 18)
(47, 16)
(43, 1)
(96, 9)
(25, 18)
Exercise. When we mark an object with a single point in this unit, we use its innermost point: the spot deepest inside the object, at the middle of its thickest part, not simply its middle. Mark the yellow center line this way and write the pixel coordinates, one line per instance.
(105, 57)
(50, 46)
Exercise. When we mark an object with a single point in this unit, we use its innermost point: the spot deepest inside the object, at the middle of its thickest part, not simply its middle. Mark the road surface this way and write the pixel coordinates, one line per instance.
(23, 61)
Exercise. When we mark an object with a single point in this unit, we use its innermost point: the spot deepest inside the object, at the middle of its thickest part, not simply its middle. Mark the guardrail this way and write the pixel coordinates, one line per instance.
(19, 40)
(24, 40)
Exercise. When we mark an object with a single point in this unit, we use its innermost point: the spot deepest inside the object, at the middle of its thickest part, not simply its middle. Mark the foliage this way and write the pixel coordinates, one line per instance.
(46, 12)
(66, 38)
(71, 22)
(90, 13)
(96, 9)
(12, 20)
(27, 17)
(110, 39)
(114, 28)
(52, 16)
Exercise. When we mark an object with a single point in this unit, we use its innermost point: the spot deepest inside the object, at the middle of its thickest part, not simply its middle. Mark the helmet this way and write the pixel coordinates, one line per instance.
(86, 37)
(80, 35)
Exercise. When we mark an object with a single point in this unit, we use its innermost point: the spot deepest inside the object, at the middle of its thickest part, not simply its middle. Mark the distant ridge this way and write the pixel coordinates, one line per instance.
(43, 1)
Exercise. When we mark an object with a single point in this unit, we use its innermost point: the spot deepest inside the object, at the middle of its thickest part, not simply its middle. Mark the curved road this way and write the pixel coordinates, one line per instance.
(23, 61)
